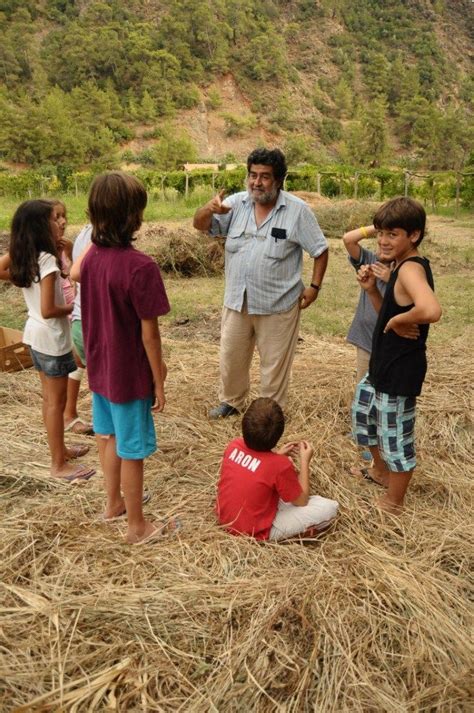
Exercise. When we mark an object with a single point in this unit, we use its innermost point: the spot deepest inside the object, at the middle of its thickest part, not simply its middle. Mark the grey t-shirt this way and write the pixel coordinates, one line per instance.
(80, 244)
(362, 327)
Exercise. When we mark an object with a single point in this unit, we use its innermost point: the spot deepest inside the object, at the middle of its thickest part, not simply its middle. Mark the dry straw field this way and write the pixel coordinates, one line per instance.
(374, 616)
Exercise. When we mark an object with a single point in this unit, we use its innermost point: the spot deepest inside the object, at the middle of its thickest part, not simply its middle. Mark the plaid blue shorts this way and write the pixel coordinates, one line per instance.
(385, 421)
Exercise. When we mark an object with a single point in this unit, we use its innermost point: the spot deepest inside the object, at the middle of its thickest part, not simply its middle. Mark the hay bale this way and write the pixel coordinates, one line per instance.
(336, 217)
(184, 252)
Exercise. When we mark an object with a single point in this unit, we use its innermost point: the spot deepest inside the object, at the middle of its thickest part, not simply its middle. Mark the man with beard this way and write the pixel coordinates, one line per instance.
(266, 231)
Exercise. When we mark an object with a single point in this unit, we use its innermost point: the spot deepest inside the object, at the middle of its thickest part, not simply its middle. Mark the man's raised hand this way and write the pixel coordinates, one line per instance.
(216, 205)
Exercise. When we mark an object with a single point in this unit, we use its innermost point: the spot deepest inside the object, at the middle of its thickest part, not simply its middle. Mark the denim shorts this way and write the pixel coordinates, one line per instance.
(388, 422)
(53, 365)
(131, 423)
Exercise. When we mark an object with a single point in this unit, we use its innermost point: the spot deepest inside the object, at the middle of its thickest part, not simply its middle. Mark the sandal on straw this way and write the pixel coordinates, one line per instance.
(364, 473)
(79, 427)
(76, 451)
(80, 474)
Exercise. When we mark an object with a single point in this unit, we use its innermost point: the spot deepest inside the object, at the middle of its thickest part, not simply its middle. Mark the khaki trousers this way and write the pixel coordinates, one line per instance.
(274, 335)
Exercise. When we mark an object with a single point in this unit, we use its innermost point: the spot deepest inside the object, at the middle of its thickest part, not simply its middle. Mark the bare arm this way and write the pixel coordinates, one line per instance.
(152, 342)
(306, 453)
(75, 272)
(352, 239)
(414, 286)
(203, 216)
(49, 308)
(5, 267)
(310, 294)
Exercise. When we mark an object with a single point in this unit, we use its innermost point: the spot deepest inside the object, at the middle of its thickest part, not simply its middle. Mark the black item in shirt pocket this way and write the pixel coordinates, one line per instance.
(278, 234)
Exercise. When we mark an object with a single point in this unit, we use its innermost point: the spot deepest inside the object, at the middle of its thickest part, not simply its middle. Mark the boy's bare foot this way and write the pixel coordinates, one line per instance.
(371, 475)
(117, 510)
(72, 472)
(389, 506)
(153, 531)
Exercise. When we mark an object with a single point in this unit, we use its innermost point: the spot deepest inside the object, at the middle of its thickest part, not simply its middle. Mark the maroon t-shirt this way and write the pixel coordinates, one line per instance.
(250, 486)
(119, 287)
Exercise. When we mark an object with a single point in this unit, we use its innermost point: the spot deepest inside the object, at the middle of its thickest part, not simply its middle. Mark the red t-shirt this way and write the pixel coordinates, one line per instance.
(119, 288)
(250, 485)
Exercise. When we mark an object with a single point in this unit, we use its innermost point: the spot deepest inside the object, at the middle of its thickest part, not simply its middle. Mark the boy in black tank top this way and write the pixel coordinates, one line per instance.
(383, 410)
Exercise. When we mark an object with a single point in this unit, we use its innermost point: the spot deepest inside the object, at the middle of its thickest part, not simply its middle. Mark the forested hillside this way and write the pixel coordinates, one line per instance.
(161, 82)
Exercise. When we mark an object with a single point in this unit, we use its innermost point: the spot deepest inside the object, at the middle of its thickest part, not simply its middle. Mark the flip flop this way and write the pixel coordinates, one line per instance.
(81, 473)
(77, 451)
(166, 527)
(146, 499)
(364, 472)
(85, 429)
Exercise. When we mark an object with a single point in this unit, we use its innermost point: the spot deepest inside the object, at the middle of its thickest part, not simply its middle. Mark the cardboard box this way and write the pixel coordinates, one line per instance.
(14, 355)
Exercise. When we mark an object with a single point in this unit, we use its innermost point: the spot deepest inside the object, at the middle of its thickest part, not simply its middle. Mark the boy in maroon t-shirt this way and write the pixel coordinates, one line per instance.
(260, 493)
(122, 295)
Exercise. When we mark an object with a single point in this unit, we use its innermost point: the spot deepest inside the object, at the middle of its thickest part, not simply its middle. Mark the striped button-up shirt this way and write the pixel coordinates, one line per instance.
(264, 264)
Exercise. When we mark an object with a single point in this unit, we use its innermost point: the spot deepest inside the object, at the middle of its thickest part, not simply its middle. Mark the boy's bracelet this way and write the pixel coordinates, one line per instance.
(315, 287)
(364, 232)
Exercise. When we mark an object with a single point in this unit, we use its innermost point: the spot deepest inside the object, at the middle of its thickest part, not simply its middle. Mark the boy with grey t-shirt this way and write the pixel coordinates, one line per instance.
(362, 327)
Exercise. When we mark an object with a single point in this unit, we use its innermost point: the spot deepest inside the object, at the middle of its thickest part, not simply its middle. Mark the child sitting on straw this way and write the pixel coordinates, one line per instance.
(260, 493)
(383, 411)
(122, 296)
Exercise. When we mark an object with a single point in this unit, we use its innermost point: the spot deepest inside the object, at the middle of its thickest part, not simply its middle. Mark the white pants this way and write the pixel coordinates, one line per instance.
(292, 520)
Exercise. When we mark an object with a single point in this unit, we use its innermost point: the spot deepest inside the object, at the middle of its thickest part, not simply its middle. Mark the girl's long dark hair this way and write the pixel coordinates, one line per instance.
(30, 235)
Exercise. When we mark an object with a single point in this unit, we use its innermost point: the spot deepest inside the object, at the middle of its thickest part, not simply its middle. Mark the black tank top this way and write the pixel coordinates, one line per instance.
(398, 365)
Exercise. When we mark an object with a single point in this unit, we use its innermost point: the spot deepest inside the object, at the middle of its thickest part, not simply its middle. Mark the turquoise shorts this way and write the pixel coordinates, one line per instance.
(388, 422)
(131, 423)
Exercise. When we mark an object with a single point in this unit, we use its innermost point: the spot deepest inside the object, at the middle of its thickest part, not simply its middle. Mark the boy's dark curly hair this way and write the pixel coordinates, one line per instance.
(404, 213)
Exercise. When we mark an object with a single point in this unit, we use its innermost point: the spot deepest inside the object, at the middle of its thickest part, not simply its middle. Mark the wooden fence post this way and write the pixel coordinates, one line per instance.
(407, 182)
(458, 192)
(356, 181)
(318, 183)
